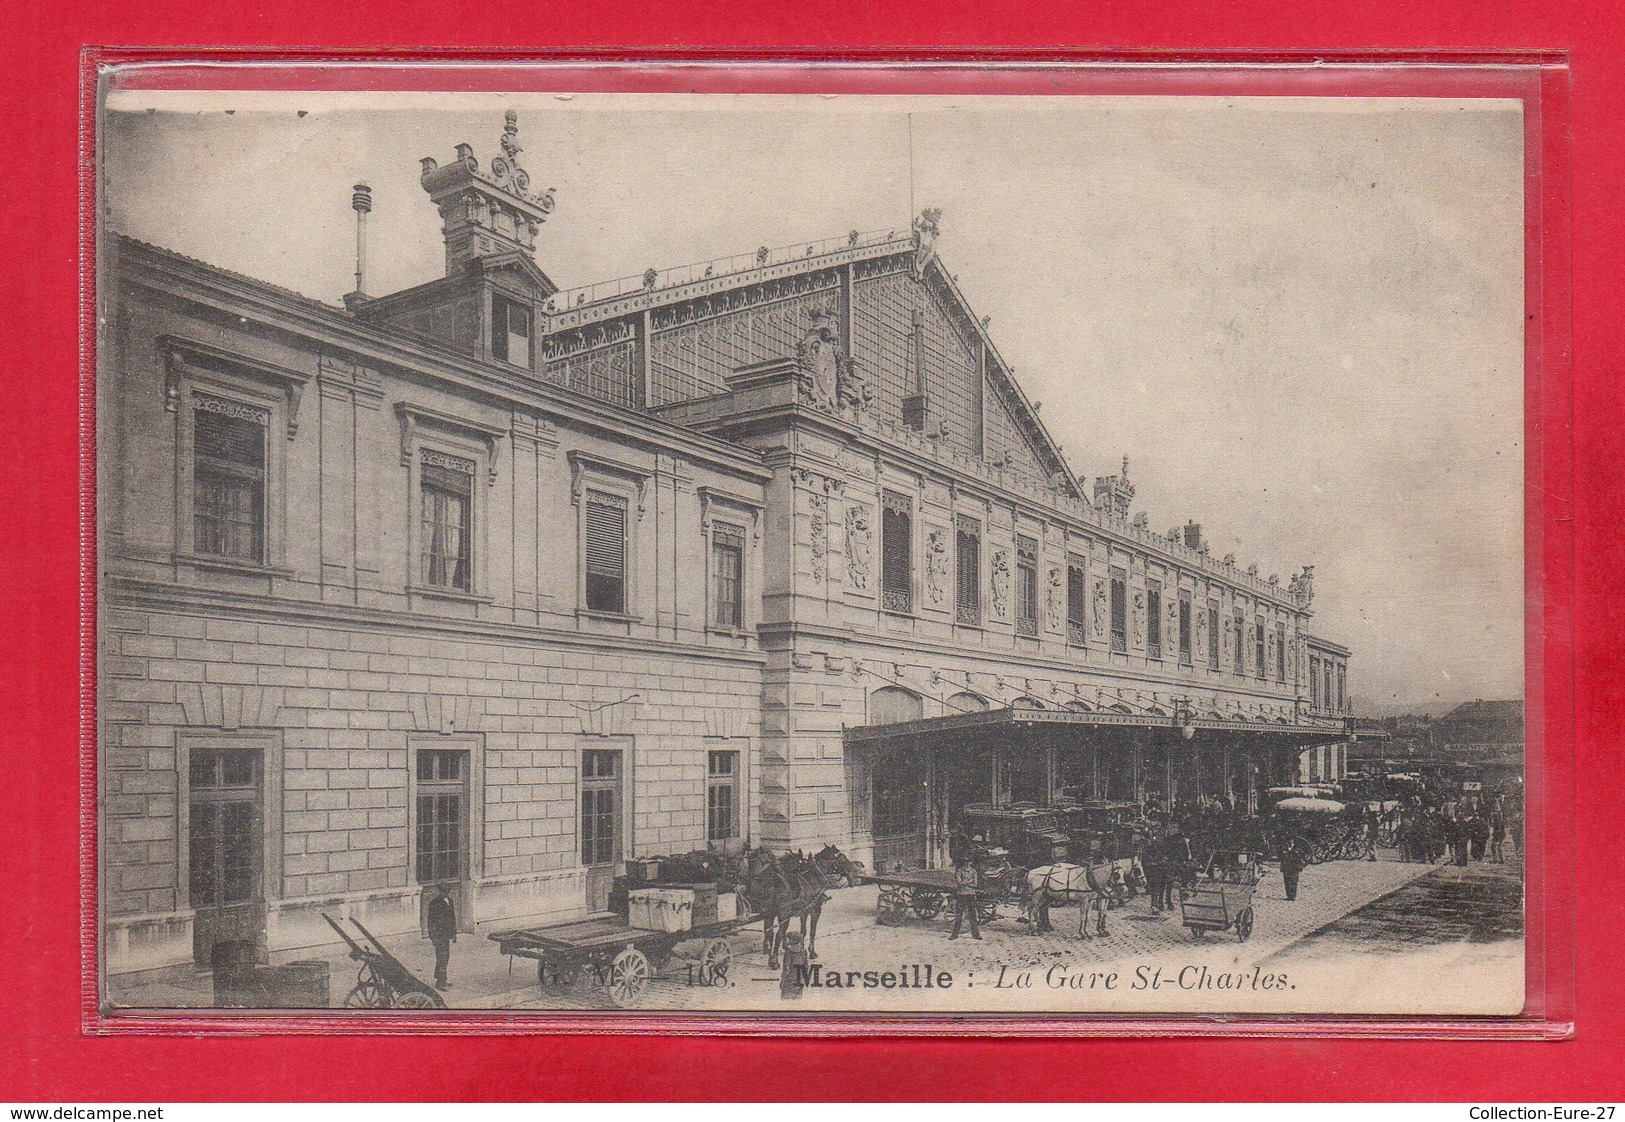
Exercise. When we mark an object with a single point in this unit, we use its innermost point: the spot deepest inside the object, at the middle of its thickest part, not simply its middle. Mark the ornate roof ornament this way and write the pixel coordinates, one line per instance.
(927, 225)
(486, 211)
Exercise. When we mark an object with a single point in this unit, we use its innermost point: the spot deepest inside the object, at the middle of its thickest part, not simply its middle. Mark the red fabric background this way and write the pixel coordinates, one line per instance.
(45, 1057)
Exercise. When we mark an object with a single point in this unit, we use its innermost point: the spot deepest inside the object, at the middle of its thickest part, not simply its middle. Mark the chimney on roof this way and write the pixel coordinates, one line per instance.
(486, 211)
(361, 203)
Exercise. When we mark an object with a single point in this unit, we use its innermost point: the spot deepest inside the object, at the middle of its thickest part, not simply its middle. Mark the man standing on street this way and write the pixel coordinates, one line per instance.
(1292, 863)
(441, 921)
(965, 900)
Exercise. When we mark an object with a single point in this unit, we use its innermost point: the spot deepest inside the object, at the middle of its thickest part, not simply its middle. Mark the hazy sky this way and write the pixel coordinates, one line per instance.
(1301, 320)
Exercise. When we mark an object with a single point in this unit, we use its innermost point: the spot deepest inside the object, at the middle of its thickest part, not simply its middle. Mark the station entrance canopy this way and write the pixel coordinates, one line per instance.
(910, 780)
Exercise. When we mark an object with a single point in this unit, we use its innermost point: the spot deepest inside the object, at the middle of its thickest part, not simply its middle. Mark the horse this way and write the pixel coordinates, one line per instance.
(1094, 887)
(780, 888)
(839, 870)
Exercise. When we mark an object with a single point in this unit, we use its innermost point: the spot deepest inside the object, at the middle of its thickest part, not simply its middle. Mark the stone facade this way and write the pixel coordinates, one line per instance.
(383, 652)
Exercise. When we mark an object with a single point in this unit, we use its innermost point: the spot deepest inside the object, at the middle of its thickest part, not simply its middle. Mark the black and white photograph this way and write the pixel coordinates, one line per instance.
(780, 554)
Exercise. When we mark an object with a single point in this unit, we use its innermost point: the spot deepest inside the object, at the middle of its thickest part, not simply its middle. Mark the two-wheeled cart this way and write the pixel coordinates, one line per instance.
(619, 958)
(383, 982)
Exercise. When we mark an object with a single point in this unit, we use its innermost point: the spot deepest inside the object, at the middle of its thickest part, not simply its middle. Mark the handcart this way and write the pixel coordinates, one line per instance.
(1219, 905)
(383, 982)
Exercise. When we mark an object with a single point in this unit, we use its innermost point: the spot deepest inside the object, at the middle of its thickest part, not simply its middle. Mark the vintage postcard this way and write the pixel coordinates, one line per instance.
(811, 554)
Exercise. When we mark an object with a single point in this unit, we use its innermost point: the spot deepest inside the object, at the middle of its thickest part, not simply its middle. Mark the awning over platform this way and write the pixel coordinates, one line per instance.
(1056, 719)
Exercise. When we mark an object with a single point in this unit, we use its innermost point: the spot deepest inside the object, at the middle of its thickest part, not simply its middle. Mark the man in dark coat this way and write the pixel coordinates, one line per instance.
(1293, 860)
(966, 882)
(440, 919)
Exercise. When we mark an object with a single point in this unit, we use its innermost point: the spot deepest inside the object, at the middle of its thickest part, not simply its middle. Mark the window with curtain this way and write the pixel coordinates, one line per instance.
(1184, 630)
(1258, 649)
(442, 814)
(605, 552)
(447, 489)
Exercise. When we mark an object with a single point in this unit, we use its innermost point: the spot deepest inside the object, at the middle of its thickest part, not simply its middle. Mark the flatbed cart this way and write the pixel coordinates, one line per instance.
(927, 893)
(383, 982)
(620, 958)
(1219, 905)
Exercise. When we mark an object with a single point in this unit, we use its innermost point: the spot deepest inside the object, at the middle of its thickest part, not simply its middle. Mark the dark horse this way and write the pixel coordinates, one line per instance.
(780, 888)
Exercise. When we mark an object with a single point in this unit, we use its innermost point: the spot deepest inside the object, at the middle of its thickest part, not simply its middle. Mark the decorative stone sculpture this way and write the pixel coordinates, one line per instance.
(936, 565)
(858, 547)
(1100, 609)
(1001, 583)
(818, 358)
(1139, 617)
(1302, 586)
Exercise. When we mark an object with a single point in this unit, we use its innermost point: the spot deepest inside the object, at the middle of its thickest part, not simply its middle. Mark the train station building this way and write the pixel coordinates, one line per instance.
(496, 584)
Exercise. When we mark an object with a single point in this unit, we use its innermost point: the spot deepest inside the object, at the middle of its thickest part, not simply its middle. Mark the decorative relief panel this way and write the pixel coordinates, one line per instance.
(818, 534)
(1137, 637)
(1101, 610)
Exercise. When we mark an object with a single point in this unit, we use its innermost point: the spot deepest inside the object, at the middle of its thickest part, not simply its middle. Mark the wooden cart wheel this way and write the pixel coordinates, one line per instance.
(417, 999)
(629, 976)
(1244, 924)
(987, 910)
(926, 905)
(367, 994)
(714, 962)
(552, 975)
(890, 908)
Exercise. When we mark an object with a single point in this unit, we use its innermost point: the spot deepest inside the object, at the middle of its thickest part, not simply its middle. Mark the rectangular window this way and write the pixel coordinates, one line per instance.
(223, 832)
(442, 815)
(510, 331)
(1342, 688)
(1280, 652)
(1240, 632)
(605, 552)
(722, 797)
(1077, 603)
(896, 553)
(1314, 684)
(968, 571)
(1258, 649)
(728, 576)
(1153, 619)
(1119, 611)
(1026, 586)
(228, 480)
(1213, 637)
(447, 487)
(1184, 630)
(600, 806)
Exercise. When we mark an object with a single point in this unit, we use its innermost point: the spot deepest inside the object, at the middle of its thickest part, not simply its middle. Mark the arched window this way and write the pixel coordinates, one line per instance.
(967, 703)
(1078, 707)
(890, 705)
(1026, 703)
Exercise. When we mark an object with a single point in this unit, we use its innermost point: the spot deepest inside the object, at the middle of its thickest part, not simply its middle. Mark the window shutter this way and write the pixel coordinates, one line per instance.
(606, 536)
(897, 553)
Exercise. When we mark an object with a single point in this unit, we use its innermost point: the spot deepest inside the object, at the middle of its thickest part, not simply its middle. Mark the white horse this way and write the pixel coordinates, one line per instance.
(1093, 887)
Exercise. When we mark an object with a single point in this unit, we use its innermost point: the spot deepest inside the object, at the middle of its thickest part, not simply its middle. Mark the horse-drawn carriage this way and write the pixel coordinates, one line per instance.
(1027, 833)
